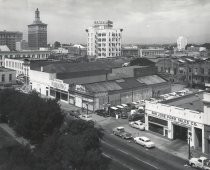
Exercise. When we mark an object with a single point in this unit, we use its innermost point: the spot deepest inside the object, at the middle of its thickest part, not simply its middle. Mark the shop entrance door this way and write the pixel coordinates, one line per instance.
(57, 95)
(198, 138)
(180, 132)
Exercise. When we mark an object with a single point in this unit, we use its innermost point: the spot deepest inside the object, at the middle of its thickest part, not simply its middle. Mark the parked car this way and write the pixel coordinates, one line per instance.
(137, 124)
(124, 115)
(144, 141)
(135, 117)
(102, 112)
(120, 131)
(202, 163)
(86, 117)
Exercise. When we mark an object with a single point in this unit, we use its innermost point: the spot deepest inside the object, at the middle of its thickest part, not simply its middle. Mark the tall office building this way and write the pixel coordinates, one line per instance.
(103, 40)
(181, 43)
(10, 38)
(37, 33)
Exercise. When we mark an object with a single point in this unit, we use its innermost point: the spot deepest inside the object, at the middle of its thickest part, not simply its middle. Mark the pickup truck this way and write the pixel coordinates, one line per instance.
(202, 163)
(120, 131)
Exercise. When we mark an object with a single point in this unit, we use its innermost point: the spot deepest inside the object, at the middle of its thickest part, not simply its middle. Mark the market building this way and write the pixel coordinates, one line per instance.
(184, 118)
(97, 84)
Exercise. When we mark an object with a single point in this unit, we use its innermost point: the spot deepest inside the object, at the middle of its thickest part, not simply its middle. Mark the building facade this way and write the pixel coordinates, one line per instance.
(96, 84)
(37, 33)
(23, 54)
(132, 51)
(21, 45)
(151, 52)
(104, 40)
(184, 118)
(181, 43)
(10, 38)
(7, 77)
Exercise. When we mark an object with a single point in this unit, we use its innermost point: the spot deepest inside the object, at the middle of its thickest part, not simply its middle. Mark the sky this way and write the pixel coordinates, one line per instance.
(142, 21)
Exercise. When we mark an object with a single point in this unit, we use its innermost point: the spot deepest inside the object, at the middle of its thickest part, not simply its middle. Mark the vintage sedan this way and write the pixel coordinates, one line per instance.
(137, 124)
(144, 141)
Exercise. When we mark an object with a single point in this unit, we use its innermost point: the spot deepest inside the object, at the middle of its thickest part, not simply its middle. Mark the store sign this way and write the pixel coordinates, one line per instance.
(87, 100)
(80, 88)
(59, 84)
(175, 119)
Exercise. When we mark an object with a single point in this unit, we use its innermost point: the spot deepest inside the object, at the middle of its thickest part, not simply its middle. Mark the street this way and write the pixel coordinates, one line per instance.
(128, 155)
(136, 157)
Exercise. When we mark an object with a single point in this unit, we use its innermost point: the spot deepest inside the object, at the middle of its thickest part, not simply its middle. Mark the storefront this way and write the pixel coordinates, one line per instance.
(175, 123)
(59, 90)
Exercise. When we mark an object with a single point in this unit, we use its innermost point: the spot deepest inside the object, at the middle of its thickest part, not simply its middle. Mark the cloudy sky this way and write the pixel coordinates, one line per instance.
(143, 21)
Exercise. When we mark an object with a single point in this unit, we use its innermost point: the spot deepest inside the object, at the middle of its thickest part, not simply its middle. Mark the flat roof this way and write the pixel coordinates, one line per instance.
(191, 101)
(2, 69)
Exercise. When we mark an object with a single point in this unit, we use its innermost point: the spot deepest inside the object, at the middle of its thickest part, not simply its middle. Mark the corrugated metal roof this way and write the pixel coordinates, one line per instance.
(103, 86)
(154, 79)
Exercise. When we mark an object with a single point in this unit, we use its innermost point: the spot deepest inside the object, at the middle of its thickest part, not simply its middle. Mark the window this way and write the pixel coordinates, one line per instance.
(202, 70)
(10, 77)
(3, 78)
(208, 71)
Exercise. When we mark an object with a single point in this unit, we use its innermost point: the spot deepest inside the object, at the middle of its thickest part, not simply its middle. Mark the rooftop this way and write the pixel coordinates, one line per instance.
(2, 69)
(190, 101)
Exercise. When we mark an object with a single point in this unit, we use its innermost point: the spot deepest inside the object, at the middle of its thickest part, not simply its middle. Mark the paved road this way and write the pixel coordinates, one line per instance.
(128, 155)
(136, 157)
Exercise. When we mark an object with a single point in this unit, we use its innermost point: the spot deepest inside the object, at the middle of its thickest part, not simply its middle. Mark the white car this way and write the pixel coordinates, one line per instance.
(137, 124)
(144, 141)
(86, 117)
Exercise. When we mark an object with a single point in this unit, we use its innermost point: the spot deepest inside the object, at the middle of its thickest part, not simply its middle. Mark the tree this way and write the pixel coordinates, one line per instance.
(30, 116)
(77, 146)
(57, 44)
(21, 157)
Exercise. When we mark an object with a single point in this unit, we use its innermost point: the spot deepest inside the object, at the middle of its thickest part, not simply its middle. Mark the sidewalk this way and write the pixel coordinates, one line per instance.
(176, 147)
(11, 132)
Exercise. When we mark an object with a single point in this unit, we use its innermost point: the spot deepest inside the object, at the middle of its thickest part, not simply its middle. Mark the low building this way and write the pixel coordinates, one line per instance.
(184, 118)
(7, 77)
(130, 51)
(97, 83)
(151, 52)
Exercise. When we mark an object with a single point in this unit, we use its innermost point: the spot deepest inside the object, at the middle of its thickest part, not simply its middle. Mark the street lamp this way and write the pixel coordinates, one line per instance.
(189, 138)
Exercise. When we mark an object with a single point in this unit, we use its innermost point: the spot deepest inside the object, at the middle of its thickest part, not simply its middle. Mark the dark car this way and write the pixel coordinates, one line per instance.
(102, 112)
(124, 115)
(135, 117)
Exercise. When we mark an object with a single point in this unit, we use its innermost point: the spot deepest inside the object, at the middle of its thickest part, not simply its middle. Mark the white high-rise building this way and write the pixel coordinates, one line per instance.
(181, 43)
(103, 40)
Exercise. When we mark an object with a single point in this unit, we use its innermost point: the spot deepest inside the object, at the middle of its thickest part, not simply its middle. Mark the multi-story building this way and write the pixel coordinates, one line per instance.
(191, 71)
(10, 38)
(103, 40)
(21, 45)
(199, 73)
(23, 54)
(7, 77)
(181, 43)
(37, 33)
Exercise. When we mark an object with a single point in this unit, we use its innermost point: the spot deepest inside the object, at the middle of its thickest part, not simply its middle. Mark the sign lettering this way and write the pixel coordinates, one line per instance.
(175, 119)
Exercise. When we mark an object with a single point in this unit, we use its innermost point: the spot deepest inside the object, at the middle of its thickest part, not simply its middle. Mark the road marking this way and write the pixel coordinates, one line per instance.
(130, 155)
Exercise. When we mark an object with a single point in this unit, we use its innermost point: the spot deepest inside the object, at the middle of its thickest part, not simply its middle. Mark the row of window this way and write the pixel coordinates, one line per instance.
(3, 77)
